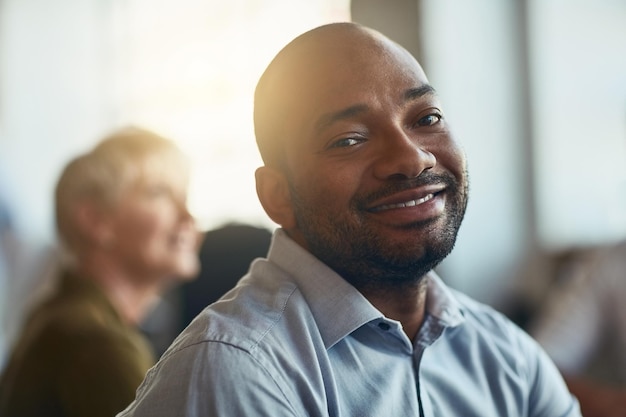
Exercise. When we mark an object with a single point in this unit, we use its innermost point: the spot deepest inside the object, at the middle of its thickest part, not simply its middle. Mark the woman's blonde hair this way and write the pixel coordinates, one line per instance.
(102, 174)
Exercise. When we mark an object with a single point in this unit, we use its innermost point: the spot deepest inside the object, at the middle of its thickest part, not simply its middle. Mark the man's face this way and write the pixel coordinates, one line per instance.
(378, 186)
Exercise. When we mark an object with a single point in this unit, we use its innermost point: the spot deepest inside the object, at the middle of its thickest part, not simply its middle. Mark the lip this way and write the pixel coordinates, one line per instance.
(407, 199)
(183, 240)
(411, 206)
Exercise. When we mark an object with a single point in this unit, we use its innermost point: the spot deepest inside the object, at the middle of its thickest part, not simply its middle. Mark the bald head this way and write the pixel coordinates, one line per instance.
(312, 65)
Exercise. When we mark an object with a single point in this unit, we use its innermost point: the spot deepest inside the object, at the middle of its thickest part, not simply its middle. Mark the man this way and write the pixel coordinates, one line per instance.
(345, 316)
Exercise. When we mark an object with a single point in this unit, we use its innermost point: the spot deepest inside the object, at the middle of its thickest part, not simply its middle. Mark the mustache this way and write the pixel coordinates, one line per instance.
(398, 185)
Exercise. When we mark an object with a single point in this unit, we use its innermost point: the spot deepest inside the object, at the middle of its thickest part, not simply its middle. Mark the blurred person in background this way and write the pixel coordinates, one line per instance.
(122, 218)
(582, 326)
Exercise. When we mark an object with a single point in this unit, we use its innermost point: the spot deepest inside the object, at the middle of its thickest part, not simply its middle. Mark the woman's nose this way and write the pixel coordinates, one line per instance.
(183, 208)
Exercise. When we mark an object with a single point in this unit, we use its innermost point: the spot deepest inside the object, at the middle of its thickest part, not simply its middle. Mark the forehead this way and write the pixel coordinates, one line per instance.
(346, 68)
(157, 168)
(325, 70)
(164, 166)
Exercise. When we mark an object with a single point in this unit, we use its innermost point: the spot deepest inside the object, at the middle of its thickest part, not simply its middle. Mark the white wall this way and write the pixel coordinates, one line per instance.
(579, 104)
(55, 84)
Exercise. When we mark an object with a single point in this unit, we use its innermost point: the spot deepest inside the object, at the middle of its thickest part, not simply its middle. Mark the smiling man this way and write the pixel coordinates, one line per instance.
(345, 316)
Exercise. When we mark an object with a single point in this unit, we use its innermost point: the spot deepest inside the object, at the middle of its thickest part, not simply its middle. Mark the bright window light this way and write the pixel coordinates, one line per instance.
(188, 70)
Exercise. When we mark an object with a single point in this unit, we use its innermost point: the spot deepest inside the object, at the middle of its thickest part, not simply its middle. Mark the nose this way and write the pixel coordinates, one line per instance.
(186, 215)
(402, 156)
(184, 212)
(183, 208)
(186, 220)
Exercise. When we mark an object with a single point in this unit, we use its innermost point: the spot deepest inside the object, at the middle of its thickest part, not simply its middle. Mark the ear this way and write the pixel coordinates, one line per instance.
(93, 224)
(273, 192)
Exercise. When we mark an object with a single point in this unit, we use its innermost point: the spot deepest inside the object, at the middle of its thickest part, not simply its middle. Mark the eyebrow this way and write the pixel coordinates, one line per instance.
(415, 93)
(344, 114)
(330, 118)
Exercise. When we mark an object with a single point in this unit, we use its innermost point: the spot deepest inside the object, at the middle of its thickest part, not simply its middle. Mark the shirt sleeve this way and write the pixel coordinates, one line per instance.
(549, 396)
(210, 379)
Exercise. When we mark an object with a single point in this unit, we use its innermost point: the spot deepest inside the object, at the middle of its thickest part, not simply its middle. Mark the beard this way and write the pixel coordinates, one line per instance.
(353, 248)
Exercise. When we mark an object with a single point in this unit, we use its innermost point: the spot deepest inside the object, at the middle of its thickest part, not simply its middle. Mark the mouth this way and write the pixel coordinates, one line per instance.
(183, 241)
(409, 203)
(408, 198)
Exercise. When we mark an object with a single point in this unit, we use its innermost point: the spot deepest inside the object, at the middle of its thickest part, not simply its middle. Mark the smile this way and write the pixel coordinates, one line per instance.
(410, 203)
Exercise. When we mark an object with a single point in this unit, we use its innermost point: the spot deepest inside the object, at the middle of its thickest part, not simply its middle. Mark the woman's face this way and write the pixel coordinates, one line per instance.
(152, 231)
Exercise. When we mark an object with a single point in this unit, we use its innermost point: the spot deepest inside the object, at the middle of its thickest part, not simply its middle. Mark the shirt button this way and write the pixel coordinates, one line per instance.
(383, 326)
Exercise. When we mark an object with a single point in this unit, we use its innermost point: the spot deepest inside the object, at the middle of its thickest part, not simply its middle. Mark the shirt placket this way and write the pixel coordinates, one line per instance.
(431, 330)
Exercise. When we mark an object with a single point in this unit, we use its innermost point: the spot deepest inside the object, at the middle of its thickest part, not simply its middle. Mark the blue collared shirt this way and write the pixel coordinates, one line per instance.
(295, 339)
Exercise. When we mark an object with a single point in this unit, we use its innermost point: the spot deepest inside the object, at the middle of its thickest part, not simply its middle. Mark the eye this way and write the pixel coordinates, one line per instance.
(346, 142)
(156, 190)
(430, 119)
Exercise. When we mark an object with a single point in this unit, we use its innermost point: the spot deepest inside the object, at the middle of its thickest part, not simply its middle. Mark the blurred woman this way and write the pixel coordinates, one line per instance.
(122, 219)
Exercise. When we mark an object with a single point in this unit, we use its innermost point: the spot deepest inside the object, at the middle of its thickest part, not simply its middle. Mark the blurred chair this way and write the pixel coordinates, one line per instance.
(225, 256)
(582, 326)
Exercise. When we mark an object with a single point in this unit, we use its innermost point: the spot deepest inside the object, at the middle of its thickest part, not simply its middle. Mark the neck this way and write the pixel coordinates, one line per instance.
(131, 296)
(404, 303)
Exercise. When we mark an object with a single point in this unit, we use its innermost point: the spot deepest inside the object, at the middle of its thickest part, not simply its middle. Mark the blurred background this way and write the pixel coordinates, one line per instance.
(535, 91)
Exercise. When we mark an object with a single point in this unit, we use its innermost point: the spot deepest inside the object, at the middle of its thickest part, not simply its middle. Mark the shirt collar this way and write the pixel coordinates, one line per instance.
(337, 306)
(441, 302)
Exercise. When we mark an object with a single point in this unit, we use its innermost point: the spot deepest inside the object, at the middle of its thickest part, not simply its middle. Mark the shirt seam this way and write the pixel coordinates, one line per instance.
(251, 355)
(255, 345)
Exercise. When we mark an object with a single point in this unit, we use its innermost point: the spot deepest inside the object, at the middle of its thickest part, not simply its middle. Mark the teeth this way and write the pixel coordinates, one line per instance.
(407, 203)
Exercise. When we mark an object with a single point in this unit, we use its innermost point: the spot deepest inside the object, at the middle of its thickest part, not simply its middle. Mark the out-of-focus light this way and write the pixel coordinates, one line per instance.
(189, 69)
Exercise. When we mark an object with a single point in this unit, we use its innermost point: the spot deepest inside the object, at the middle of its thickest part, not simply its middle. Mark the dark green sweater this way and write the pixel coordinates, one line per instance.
(75, 358)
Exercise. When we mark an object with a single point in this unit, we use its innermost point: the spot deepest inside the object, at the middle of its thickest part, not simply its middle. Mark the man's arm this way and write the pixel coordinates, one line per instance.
(549, 394)
(211, 379)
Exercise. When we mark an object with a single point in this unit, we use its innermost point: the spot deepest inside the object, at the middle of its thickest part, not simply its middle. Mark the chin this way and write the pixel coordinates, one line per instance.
(190, 272)
(186, 269)
(192, 268)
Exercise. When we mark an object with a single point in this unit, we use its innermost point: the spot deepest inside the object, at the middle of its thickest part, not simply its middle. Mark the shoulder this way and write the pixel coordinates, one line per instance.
(490, 331)
(265, 317)
(217, 379)
(253, 341)
(73, 329)
(246, 316)
(500, 344)
(509, 358)
(488, 321)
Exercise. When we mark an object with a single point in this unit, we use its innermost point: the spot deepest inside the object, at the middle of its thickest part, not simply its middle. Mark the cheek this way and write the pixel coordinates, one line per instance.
(142, 226)
(329, 187)
(452, 157)
(324, 184)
